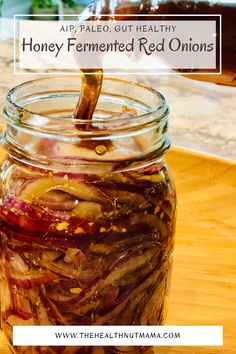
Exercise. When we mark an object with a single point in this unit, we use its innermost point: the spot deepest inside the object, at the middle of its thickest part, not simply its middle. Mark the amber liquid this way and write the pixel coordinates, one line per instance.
(92, 83)
(91, 88)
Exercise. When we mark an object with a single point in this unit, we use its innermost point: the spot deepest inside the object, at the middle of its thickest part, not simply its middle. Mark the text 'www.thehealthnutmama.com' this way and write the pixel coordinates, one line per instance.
(117, 335)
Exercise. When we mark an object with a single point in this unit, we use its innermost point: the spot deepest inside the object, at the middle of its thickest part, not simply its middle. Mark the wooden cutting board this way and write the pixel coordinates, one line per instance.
(203, 290)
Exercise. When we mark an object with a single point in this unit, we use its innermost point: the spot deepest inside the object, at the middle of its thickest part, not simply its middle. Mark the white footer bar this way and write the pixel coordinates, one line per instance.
(118, 335)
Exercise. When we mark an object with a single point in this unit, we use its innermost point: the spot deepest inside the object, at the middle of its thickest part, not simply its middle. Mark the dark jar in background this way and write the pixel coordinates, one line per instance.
(87, 216)
(184, 7)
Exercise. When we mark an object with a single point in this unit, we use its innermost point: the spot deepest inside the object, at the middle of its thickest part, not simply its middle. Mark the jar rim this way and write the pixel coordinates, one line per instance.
(157, 111)
(27, 133)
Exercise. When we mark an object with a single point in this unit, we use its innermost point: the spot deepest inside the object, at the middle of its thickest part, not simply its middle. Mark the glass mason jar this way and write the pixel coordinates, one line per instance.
(87, 216)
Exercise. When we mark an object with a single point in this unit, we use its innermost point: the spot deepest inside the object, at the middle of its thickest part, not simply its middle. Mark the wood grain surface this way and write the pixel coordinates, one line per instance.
(203, 290)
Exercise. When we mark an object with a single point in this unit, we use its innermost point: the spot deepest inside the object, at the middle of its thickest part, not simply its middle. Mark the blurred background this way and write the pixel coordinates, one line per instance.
(9, 8)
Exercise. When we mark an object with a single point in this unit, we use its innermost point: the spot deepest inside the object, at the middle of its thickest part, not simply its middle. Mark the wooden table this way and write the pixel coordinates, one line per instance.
(203, 290)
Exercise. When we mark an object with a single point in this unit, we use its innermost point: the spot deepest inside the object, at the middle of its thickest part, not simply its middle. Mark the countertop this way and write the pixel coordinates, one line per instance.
(202, 115)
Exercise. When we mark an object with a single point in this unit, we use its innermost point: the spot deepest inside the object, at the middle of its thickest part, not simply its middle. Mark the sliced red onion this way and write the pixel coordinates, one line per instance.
(33, 279)
(42, 315)
(75, 255)
(15, 320)
(18, 264)
(57, 200)
(110, 294)
(53, 311)
(83, 191)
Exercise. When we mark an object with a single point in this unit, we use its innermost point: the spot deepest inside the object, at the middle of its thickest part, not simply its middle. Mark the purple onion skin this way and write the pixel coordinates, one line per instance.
(89, 270)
